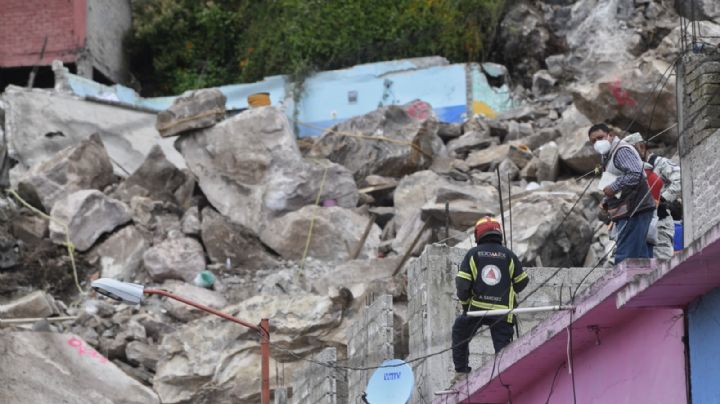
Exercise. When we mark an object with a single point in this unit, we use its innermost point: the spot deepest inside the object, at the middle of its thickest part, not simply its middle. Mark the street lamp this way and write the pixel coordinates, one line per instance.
(133, 293)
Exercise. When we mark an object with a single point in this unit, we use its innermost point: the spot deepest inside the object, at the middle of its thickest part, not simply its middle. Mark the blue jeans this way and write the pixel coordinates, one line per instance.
(632, 235)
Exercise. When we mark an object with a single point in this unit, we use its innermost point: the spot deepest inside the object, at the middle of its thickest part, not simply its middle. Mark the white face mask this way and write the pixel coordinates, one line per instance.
(602, 146)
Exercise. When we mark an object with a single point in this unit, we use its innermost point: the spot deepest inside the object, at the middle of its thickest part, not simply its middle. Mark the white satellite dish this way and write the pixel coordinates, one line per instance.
(392, 383)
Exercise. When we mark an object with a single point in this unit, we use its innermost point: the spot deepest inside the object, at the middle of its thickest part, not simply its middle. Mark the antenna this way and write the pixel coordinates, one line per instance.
(392, 383)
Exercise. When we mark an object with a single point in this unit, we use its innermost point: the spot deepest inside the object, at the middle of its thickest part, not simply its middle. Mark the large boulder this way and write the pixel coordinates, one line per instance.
(469, 141)
(84, 166)
(541, 238)
(215, 360)
(621, 99)
(156, 178)
(336, 232)
(250, 169)
(179, 258)
(413, 192)
(698, 9)
(575, 149)
(72, 372)
(121, 254)
(88, 214)
(193, 110)
(389, 141)
(524, 37)
(465, 203)
(489, 158)
(225, 241)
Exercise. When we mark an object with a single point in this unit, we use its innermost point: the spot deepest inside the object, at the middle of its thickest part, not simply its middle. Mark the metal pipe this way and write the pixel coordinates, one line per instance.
(520, 310)
(263, 329)
(502, 213)
(265, 361)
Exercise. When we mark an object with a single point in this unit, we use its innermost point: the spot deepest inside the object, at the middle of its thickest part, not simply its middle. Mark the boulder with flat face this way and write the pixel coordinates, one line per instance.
(156, 178)
(88, 214)
(193, 110)
(336, 232)
(83, 166)
(121, 254)
(179, 258)
(391, 141)
(72, 372)
(250, 169)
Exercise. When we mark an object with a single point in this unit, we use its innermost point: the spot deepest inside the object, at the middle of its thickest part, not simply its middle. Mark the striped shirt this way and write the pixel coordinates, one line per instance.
(631, 167)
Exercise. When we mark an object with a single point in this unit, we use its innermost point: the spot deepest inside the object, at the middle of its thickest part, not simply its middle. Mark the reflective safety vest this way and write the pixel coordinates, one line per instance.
(493, 270)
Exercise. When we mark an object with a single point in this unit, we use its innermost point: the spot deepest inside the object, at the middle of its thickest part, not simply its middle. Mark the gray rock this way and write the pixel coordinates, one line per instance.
(228, 241)
(193, 110)
(88, 215)
(524, 37)
(519, 154)
(700, 10)
(121, 254)
(413, 192)
(622, 98)
(336, 233)
(449, 130)
(576, 152)
(508, 170)
(555, 65)
(29, 228)
(35, 304)
(223, 362)
(395, 158)
(184, 312)
(408, 232)
(489, 158)
(9, 249)
(140, 353)
(157, 178)
(180, 258)
(469, 141)
(84, 166)
(548, 162)
(466, 204)
(542, 83)
(73, 371)
(252, 161)
(190, 222)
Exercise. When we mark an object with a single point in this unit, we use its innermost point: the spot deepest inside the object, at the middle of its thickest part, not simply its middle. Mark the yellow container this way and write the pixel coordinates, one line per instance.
(259, 100)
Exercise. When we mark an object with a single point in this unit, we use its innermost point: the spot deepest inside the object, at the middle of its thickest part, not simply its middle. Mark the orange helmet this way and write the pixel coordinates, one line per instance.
(487, 226)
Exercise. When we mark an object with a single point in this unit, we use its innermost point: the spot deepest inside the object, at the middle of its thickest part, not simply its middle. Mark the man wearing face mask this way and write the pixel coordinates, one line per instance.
(627, 199)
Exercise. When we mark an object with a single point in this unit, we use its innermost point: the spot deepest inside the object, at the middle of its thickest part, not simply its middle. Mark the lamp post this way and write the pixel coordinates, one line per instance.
(133, 293)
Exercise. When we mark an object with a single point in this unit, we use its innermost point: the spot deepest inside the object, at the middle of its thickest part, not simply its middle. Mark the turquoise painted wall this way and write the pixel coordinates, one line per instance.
(334, 96)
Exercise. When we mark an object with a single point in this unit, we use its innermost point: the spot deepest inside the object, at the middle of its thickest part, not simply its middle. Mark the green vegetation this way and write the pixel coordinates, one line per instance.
(176, 45)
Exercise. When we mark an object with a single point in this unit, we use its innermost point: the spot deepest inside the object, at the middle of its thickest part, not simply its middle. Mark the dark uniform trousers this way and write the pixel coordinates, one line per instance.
(465, 328)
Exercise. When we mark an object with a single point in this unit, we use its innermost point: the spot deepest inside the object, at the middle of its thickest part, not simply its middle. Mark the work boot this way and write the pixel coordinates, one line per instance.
(459, 377)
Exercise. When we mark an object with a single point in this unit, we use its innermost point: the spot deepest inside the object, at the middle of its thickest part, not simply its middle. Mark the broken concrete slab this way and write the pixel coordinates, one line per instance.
(74, 371)
(252, 161)
(121, 254)
(85, 165)
(39, 123)
(192, 110)
(336, 233)
(88, 214)
(229, 243)
(35, 304)
(180, 258)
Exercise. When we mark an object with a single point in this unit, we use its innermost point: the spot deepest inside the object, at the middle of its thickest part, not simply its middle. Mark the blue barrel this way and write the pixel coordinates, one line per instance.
(678, 241)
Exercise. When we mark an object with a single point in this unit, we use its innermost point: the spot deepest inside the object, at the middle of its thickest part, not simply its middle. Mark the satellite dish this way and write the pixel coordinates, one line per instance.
(391, 384)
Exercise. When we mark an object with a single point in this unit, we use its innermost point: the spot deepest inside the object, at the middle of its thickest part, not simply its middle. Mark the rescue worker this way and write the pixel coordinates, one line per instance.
(489, 278)
(671, 192)
(627, 199)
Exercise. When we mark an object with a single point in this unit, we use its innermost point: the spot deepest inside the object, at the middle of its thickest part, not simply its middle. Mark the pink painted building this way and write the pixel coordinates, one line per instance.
(84, 34)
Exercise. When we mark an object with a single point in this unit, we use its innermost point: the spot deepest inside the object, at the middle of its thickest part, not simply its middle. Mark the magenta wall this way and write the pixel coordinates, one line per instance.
(639, 362)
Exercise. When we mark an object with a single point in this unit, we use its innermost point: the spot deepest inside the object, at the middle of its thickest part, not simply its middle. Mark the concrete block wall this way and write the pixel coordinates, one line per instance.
(370, 342)
(321, 384)
(433, 306)
(698, 96)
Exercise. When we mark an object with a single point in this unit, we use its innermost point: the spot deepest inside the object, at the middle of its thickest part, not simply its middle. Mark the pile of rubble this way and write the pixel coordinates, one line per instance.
(303, 235)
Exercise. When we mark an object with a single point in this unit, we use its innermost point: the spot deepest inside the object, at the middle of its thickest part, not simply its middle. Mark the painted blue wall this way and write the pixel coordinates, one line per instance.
(453, 91)
(704, 335)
